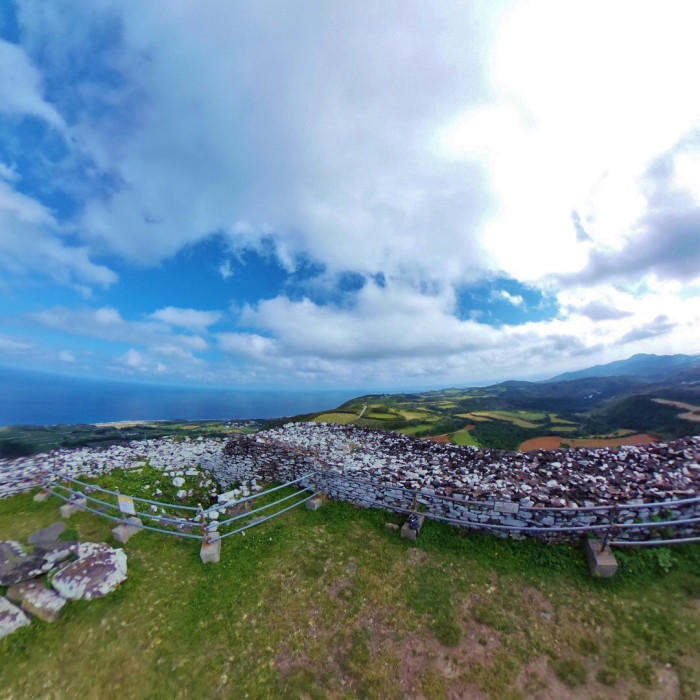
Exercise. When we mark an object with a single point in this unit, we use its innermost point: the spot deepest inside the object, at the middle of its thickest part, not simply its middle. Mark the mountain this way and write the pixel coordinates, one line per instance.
(651, 368)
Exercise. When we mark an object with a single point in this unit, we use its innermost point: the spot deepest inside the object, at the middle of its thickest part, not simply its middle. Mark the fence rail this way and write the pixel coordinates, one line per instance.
(339, 485)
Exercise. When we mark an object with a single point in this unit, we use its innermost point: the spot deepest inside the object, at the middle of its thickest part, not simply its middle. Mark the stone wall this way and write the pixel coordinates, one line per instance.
(506, 493)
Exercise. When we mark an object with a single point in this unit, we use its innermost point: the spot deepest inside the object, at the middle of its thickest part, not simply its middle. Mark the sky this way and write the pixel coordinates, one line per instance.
(328, 194)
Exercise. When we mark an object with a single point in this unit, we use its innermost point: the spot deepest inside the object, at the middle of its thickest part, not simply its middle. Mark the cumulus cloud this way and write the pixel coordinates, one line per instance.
(106, 323)
(600, 311)
(665, 240)
(659, 326)
(225, 269)
(21, 88)
(12, 345)
(502, 294)
(30, 242)
(190, 319)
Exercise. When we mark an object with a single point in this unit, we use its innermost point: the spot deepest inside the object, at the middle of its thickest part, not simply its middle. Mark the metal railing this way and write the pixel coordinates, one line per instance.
(385, 495)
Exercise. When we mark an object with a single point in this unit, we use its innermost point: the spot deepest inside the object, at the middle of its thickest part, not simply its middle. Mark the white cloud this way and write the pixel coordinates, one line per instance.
(225, 269)
(20, 87)
(8, 172)
(66, 356)
(132, 358)
(30, 242)
(190, 319)
(12, 345)
(514, 299)
(106, 323)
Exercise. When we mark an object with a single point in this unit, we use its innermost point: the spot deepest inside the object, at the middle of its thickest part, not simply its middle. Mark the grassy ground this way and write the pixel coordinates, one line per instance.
(335, 417)
(331, 603)
(515, 417)
(464, 437)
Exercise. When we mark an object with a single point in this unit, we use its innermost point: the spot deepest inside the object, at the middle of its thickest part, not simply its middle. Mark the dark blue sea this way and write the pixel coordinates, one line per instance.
(34, 398)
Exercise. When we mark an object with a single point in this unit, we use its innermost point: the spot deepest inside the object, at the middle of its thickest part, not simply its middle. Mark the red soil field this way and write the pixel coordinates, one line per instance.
(550, 442)
(445, 437)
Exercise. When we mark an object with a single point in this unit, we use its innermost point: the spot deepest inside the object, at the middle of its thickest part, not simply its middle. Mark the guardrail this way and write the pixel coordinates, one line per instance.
(340, 485)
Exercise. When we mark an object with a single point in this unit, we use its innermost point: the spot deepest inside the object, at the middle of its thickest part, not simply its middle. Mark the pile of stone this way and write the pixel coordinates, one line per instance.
(166, 454)
(43, 577)
(551, 478)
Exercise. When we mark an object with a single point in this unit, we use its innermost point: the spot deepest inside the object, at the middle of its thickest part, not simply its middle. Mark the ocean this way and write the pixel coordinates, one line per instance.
(35, 398)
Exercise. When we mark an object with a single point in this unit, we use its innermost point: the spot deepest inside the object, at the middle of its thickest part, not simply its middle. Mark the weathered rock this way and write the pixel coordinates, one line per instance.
(48, 534)
(57, 551)
(9, 549)
(97, 572)
(38, 600)
(17, 566)
(41, 496)
(11, 617)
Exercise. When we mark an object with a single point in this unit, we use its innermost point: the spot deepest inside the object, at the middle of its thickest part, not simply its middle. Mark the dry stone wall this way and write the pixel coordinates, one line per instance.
(509, 493)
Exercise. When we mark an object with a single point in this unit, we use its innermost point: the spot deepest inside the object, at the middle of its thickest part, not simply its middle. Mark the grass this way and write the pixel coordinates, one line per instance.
(464, 437)
(419, 415)
(559, 420)
(331, 603)
(335, 417)
(518, 418)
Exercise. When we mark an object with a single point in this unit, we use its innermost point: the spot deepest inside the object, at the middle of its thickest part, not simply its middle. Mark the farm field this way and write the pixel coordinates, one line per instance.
(552, 443)
(464, 437)
(335, 418)
(330, 603)
(521, 419)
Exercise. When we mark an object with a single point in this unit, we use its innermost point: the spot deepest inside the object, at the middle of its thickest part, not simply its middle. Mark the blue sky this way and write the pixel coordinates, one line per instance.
(258, 195)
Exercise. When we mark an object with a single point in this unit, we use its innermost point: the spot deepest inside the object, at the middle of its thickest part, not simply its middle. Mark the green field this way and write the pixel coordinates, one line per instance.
(413, 429)
(557, 419)
(335, 418)
(515, 417)
(418, 415)
(332, 604)
(464, 437)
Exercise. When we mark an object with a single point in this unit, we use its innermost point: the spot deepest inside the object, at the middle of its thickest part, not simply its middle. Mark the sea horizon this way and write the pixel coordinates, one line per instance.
(37, 398)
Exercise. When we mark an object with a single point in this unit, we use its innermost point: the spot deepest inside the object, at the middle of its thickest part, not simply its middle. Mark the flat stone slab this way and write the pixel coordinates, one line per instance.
(210, 552)
(17, 566)
(11, 617)
(408, 532)
(10, 550)
(48, 535)
(601, 560)
(56, 552)
(97, 572)
(38, 600)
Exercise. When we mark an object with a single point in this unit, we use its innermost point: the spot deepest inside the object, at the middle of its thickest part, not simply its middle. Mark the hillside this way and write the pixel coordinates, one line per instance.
(651, 368)
(332, 603)
(560, 412)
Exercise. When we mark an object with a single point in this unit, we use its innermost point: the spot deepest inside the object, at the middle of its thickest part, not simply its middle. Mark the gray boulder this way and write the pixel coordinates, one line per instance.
(38, 600)
(97, 572)
(48, 535)
(17, 566)
(11, 617)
